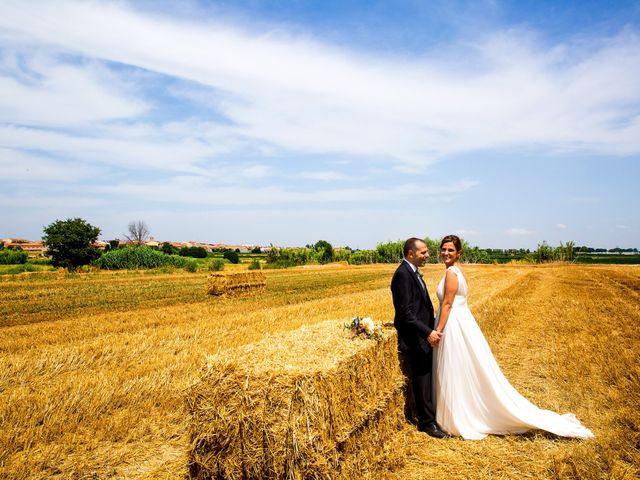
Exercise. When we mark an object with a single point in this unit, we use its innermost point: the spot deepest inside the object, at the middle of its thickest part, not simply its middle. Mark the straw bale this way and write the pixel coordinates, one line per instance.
(220, 283)
(312, 403)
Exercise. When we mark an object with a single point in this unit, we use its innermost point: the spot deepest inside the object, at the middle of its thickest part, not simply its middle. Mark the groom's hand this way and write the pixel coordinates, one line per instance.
(434, 338)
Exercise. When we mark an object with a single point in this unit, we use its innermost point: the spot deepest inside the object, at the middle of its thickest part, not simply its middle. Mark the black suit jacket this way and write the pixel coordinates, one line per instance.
(414, 319)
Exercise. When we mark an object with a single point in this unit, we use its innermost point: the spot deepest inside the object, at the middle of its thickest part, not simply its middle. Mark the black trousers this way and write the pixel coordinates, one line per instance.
(420, 405)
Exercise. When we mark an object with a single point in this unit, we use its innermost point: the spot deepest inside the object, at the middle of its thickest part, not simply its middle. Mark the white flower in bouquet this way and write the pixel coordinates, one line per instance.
(368, 325)
(365, 326)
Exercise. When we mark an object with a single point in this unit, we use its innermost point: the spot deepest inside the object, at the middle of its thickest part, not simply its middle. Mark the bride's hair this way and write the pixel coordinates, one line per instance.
(453, 239)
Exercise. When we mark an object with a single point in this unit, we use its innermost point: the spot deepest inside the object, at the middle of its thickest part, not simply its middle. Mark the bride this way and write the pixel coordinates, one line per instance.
(473, 397)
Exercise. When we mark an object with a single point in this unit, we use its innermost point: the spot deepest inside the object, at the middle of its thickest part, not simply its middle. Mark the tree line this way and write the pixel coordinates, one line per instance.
(391, 252)
(70, 242)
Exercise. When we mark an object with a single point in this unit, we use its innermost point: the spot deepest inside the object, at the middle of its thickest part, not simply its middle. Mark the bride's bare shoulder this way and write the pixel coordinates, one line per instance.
(458, 271)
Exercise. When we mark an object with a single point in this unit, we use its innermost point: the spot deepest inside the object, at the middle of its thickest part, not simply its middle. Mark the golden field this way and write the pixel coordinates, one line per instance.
(94, 367)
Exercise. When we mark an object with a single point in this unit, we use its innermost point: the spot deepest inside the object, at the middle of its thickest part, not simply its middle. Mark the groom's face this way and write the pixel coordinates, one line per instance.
(418, 256)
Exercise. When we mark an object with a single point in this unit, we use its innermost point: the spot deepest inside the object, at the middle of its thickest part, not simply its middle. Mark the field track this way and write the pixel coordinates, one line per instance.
(93, 367)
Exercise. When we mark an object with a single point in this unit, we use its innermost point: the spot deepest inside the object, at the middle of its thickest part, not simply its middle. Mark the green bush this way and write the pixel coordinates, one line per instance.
(280, 264)
(169, 249)
(20, 268)
(9, 256)
(216, 265)
(195, 252)
(363, 257)
(40, 261)
(290, 257)
(255, 264)
(191, 266)
(232, 256)
(112, 245)
(133, 257)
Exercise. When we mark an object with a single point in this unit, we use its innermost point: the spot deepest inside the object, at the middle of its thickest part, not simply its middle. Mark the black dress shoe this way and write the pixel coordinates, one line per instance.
(433, 430)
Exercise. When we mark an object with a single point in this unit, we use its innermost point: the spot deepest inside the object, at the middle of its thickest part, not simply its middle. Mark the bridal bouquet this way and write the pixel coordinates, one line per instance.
(365, 326)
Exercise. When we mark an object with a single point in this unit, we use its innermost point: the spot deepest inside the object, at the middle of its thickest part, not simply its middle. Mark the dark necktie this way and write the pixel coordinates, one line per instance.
(420, 281)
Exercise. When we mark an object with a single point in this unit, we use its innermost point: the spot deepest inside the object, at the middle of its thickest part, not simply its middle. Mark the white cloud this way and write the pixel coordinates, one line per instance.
(623, 227)
(458, 186)
(520, 232)
(20, 166)
(54, 203)
(198, 190)
(300, 95)
(324, 175)
(46, 92)
(561, 226)
(155, 151)
(256, 171)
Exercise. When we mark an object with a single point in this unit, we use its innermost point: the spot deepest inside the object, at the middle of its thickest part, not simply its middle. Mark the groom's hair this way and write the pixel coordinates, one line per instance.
(410, 244)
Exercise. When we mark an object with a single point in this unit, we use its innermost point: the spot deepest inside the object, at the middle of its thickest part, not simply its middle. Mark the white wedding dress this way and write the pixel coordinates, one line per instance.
(473, 397)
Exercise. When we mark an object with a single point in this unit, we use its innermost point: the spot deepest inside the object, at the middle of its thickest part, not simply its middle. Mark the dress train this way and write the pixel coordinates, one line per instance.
(473, 397)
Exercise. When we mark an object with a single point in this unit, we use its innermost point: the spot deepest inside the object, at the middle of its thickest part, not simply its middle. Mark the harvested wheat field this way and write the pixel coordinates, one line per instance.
(96, 369)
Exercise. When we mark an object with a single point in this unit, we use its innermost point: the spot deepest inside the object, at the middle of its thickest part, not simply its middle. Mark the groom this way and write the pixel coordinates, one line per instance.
(414, 321)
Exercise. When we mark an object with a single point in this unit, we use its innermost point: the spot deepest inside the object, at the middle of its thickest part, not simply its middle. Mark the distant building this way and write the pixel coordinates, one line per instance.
(34, 248)
(99, 244)
(37, 248)
(240, 248)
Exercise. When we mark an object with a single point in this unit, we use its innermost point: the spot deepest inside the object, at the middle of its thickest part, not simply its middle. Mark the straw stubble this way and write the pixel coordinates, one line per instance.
(93, 368)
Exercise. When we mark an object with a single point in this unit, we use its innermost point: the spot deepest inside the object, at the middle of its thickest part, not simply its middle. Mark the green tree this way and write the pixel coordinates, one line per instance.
(544, 253)
(113, 244)
(390, 252)
(566, 251)
(169, 249)
(232, 256)
(273, 255)
(325, 251)
(434, 249)
(69, 242)
(195, 252)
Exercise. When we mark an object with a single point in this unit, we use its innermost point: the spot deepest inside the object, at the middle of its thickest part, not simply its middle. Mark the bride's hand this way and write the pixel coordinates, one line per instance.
(434, 338)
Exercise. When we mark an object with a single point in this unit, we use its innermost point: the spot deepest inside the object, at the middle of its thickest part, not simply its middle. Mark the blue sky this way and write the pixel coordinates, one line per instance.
(357, 122)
